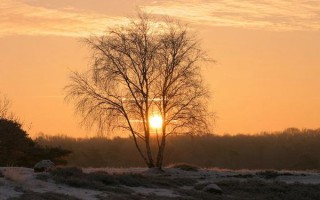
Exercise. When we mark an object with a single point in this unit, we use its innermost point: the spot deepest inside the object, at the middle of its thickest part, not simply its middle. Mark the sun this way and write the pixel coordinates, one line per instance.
(156, 121)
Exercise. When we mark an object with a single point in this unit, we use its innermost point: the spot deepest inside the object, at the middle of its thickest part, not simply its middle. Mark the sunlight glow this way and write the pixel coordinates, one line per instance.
(156, 121)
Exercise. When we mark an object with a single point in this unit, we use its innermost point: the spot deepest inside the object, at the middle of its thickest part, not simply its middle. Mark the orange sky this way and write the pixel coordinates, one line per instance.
(266, 77)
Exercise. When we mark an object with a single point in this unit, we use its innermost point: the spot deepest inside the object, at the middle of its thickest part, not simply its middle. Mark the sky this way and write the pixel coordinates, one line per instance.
(265, 78)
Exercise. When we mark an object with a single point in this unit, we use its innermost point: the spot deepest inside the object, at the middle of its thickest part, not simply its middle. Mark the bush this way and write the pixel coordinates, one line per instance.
(185, 167)
(18, 149)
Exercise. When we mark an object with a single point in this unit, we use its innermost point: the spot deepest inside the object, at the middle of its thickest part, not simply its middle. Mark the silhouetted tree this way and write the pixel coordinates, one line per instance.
(147, 67)
(4, 107)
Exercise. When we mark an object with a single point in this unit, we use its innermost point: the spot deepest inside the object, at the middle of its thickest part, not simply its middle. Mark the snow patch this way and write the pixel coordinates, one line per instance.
(27, 180)
(8, 190)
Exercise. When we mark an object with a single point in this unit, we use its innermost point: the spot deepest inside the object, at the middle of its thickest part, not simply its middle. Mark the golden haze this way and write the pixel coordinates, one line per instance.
(266, 77)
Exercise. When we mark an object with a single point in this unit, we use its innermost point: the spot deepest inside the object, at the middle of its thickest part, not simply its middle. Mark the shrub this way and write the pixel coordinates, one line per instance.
(185, 167)
(18, 149)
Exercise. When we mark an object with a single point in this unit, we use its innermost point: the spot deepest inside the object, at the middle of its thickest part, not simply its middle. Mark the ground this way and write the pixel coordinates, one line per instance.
(140, 183)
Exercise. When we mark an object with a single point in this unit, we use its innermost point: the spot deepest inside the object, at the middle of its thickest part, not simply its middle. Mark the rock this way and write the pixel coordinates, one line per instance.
(44, 166)
(212, 188)
(208, 186)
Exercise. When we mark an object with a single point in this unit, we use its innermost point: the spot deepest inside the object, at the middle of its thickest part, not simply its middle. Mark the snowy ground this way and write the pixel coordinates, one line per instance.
(17, 180)
(23, 183)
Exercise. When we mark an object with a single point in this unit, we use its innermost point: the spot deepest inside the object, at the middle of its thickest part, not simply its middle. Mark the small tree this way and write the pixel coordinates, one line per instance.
(145, 76)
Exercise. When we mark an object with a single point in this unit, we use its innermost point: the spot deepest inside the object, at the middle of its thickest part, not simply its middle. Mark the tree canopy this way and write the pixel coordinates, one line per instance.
(145, 69)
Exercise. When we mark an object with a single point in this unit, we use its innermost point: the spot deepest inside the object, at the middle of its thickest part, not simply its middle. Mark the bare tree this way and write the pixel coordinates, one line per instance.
(140, 70)
(4, 107)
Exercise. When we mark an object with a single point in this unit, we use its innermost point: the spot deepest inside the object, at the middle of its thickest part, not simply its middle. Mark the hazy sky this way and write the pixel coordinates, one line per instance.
(266, 78)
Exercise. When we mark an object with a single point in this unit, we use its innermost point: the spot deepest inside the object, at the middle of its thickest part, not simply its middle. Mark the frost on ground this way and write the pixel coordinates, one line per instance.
(16, 181)
(174, 183)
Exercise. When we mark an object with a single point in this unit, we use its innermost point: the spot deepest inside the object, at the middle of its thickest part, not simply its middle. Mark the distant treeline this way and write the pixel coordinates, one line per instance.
(292, 149)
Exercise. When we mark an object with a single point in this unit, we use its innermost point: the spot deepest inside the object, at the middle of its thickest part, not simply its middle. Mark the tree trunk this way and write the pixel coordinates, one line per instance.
(139, 150)
(148, 149)
(161, 150)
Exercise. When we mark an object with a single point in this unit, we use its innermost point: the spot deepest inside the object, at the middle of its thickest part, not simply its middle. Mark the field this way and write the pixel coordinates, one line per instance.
(176, 182)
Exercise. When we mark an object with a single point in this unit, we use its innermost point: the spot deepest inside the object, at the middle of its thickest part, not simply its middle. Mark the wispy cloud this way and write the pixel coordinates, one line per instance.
(20, 18)
(275, 15)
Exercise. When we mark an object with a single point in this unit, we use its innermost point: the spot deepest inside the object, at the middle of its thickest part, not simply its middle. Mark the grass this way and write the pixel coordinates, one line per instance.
(257, 190)
(137, 197)
(28, 195)
(244, 191)
(271, 174)
(105, 182)
(271, 191)
(116, 185)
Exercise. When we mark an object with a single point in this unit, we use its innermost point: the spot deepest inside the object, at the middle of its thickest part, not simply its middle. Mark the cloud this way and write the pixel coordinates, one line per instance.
(26, 18)
(274, 15)
(18, 18)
